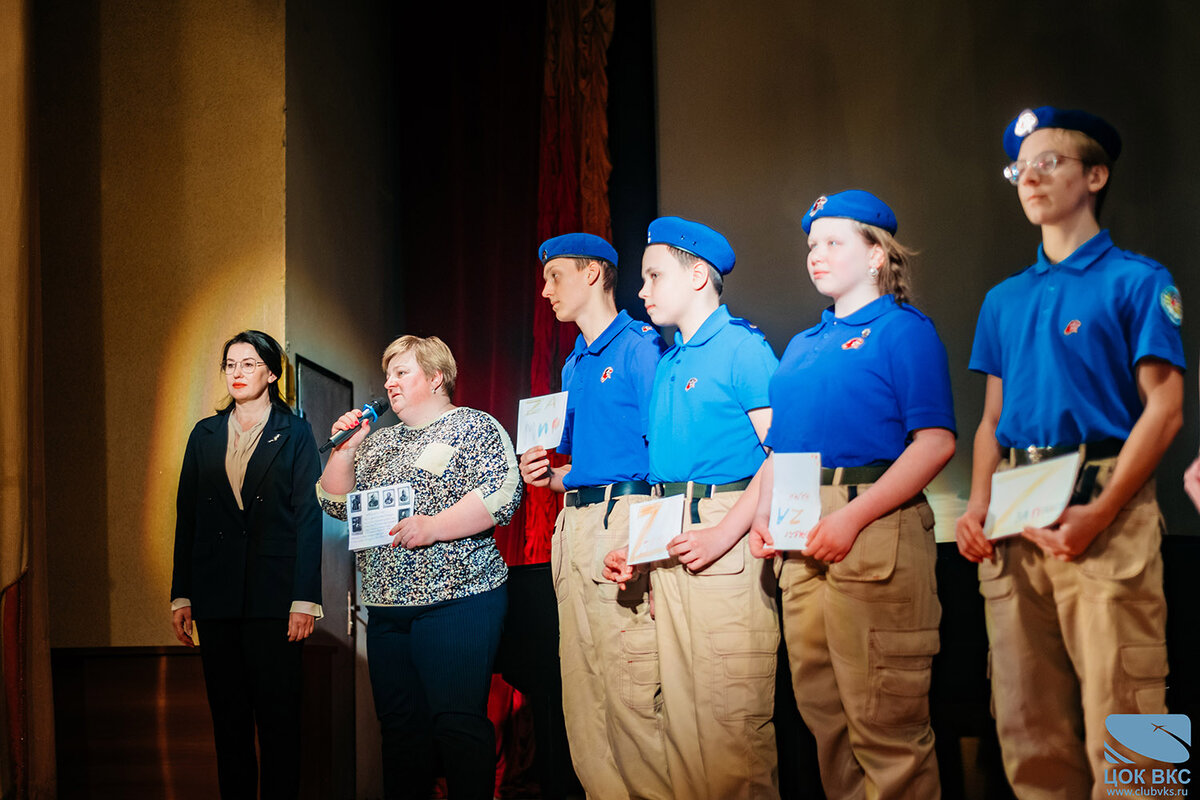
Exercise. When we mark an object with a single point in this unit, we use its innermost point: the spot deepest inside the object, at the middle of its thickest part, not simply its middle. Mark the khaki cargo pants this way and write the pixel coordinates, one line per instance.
(718, 642)
(861, 636)
(609, 659)
(1072, 642)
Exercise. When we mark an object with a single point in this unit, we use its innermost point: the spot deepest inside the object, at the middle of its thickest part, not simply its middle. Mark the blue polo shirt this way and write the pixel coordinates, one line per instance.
(854, 389)
(608, 403)
(703, 390)
(1065, 338)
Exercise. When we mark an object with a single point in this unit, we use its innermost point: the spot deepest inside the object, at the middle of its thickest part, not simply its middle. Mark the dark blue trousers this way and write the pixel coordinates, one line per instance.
(431, 672)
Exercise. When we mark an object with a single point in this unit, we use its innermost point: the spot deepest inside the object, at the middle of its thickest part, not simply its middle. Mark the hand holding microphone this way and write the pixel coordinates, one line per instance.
(369, 413)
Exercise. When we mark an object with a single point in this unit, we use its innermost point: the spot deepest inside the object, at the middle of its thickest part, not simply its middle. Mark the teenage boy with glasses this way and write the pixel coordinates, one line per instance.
(1082, 352)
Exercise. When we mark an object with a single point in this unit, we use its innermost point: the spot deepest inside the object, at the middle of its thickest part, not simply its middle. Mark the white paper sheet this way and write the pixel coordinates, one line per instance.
(652, 524)
(795, 498)
(1034, 495)
(540, 421)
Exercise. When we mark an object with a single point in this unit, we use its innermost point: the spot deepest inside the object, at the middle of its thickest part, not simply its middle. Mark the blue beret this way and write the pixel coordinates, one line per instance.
(852, 204)
(695, 238)
(1031, 119)
(577, 245)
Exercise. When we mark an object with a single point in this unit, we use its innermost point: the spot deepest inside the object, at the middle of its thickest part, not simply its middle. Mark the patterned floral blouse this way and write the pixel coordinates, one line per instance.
(460, 452)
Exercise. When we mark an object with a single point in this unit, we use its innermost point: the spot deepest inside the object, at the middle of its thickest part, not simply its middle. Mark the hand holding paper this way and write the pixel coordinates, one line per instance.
(795, 499)
(1032, 496)
(652, 525)
(540, 421)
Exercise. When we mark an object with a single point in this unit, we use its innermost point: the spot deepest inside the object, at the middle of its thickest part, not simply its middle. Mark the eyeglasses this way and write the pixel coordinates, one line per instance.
(1043, 164)
(248, 366)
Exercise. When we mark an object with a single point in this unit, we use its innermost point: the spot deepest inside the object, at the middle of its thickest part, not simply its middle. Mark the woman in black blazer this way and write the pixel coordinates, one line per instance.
(248, 567)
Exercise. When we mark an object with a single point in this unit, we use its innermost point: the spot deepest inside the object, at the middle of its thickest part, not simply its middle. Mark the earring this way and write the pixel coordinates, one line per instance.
(873, 272)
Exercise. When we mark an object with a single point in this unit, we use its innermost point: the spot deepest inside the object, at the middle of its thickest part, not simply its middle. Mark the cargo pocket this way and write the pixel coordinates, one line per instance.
(744, 674)
(900, 664)
(608, 591)
(556, 561)
(991, 569)
(1123, 549)
(872, 559)
(639, 668)
(996, 589)
(726, 571)
(1145, 670)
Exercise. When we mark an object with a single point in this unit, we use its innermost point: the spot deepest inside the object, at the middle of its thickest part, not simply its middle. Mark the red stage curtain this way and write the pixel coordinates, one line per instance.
(573, 175)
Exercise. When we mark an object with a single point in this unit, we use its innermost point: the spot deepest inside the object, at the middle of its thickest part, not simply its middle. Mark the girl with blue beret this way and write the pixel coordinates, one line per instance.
(868, 388)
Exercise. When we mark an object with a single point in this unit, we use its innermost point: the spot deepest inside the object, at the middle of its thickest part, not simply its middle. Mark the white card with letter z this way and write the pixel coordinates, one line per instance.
(540, 421)
(795, 498)
(652, 525)
(1034, 495)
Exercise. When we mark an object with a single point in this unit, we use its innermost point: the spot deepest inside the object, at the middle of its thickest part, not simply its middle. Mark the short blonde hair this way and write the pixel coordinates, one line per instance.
(432, 355)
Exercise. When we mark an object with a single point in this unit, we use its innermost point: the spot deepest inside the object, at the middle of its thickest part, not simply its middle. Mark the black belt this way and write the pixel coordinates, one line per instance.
(699, 489)
(590, 495)
(699, 492)
(1092, 451)
(852, 476)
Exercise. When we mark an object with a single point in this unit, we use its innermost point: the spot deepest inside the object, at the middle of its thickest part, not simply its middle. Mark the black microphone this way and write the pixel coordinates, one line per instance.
(371, 412)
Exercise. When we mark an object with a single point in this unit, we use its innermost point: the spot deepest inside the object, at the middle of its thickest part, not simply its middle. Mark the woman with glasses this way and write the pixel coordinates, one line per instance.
(247, 571)
(436, 594)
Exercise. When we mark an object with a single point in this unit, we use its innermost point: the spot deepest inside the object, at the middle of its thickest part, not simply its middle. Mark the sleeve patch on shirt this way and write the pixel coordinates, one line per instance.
(1172, 305)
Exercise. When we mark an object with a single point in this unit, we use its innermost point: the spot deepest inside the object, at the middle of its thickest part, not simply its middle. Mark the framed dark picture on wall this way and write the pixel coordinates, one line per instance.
(321, 397)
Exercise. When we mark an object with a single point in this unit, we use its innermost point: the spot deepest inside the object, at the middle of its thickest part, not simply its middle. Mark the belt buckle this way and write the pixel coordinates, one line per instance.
(1035, 454)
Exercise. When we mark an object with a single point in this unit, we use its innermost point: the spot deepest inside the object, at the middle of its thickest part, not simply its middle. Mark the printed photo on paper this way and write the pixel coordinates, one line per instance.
(373, 514)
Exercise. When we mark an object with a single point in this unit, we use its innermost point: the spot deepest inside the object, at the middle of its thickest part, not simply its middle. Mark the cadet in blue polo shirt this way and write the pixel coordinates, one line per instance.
(868, 388)
(607, 644)
(1082, 353)
(715, 605)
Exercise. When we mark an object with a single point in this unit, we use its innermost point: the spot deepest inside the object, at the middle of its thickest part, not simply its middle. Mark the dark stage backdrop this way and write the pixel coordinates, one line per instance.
(802, 98)
(468, 136)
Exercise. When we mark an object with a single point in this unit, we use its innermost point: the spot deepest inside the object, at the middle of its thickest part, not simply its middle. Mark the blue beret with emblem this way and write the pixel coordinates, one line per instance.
(577, 245)
(1071, 119)
(852, 204)
(695, 238)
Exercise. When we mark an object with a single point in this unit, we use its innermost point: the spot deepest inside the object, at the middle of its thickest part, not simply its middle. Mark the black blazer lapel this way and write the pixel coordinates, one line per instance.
(273, 439)
(212, 456)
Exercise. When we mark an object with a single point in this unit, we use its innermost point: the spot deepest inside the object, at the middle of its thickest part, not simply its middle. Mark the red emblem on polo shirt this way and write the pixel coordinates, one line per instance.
(691, 382)
(645, 329)
(606, 374)
(1072, 327)
(853, 344)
